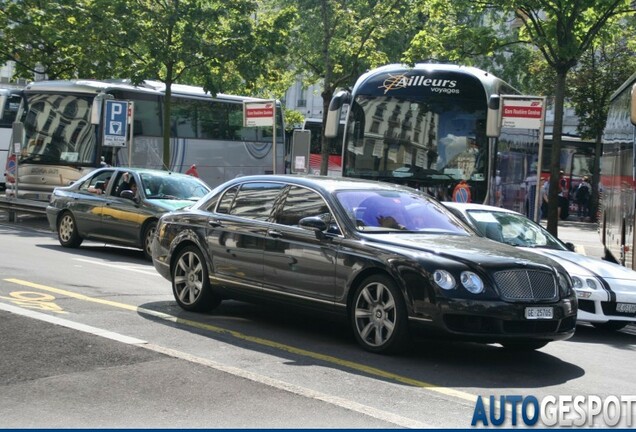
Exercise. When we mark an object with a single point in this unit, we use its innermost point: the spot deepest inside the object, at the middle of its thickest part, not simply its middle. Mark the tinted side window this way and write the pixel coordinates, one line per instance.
(301, 203)
(225, 204)
(256, 200)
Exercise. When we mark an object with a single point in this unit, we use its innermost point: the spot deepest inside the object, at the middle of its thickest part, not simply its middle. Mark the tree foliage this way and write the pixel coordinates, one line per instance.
(335, 41)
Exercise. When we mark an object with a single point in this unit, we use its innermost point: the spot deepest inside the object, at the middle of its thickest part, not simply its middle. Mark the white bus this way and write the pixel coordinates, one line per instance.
(431, 126)
(618, 177)
(61, 131)
(314, 125)
(9, 104)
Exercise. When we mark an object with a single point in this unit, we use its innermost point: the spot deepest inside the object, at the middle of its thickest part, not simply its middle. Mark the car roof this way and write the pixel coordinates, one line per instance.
(140, 171)
(326, 183)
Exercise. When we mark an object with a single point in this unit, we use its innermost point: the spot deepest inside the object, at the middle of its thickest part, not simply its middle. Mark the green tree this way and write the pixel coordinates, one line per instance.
(167, 39)
(335, 41)
(54, 39)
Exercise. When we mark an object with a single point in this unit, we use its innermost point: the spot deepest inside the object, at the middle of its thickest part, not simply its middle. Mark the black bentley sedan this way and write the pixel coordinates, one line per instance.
(386, 257)
(119, 205)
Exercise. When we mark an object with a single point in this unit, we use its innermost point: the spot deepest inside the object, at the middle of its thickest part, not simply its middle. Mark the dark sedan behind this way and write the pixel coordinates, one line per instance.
(119, 205)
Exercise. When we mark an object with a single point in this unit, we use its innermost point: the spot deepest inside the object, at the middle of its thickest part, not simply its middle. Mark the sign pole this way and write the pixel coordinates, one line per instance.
(274, 137)
(537, 198)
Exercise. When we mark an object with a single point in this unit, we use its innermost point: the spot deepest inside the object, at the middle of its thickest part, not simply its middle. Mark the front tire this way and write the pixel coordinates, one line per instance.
(67, 233)
(378, 316)
(190, 283)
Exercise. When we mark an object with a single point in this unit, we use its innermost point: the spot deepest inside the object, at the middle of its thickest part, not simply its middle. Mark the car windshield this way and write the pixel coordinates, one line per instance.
(385, 211)
(170, 186)
(513, 229)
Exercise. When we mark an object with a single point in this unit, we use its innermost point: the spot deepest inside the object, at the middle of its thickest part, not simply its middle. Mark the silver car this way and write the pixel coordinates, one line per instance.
(606, 291)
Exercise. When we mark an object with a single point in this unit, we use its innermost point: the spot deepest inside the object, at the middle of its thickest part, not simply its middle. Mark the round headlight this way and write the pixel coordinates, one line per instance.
(472, 282)
(444, 279)
(577, 282)
(591, 283)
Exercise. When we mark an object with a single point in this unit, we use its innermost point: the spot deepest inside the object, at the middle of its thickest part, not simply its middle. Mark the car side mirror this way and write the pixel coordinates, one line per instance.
(570, 246)
(314, 223)
(128, 194)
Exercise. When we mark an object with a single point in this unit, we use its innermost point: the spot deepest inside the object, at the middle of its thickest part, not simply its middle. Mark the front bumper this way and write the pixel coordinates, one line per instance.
(499, 321)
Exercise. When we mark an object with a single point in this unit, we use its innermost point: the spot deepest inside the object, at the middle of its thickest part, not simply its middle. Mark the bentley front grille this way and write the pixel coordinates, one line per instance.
(526, 285)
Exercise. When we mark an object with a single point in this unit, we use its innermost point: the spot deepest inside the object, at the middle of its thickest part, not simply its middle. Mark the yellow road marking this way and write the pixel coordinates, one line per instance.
(372, 371)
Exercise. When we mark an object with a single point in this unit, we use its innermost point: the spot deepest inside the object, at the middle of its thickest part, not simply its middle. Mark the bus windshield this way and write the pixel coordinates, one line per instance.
(430, 126)
(427, 141)
(58, 130)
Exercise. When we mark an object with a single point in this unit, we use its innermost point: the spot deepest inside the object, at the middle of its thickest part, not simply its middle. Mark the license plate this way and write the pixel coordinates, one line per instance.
(626, 308)
(539, 313)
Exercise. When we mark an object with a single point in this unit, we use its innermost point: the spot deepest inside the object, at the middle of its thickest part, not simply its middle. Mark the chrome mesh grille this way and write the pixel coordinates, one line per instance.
(518, 285)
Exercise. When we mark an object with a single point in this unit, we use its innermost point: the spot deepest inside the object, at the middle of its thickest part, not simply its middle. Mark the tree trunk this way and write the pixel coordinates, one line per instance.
(555, 156)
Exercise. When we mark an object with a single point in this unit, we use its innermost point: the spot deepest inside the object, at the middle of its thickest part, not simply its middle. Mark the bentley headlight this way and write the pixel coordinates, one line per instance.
(444, 279)
(472, 282)
(577, 282)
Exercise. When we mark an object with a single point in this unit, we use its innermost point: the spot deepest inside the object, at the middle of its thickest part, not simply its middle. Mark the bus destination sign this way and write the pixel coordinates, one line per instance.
(258, 114)
(522, 113)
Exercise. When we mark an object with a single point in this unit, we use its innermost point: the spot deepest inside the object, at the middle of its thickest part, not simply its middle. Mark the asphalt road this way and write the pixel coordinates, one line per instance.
(92, 338)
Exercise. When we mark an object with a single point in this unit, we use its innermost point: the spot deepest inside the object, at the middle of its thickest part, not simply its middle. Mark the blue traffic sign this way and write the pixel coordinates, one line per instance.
(115, 123)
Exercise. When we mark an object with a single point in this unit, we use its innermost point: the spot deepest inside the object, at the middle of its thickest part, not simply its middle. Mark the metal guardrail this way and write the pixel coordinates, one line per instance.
(14, 206)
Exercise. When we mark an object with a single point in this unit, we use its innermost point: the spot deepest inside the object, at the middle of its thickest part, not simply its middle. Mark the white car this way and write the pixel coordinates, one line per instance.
(606, 291)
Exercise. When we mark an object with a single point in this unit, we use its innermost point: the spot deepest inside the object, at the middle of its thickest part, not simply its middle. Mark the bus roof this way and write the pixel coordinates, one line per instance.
(490, 81)
(148, 86)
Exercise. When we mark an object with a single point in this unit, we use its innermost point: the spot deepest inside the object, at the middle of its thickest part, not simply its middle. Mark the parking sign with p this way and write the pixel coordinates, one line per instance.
(115, 123)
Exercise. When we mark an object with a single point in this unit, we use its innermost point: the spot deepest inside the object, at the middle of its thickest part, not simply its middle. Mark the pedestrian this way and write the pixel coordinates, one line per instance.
(564, 203)
(582, 198)
(193, 171)
(461, 193)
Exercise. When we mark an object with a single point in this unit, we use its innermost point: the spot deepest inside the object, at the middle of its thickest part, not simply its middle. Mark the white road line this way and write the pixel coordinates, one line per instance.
(71, 324)
(381, 415)
(119, 266)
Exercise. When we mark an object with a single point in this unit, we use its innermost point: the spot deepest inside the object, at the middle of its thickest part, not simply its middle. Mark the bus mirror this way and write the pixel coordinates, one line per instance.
(493, 126)
(17, 135)
(333, 115)
(632, 114)
(96, 111)
(3, 103)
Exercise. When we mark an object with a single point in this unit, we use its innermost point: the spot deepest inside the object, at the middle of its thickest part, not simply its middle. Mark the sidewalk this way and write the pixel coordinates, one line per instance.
(584, 235)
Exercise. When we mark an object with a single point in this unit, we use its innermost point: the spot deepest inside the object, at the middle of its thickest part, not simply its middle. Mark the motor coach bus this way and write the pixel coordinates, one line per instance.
(61, 131)
(618, 174)
(431, 126)
(9, 104)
